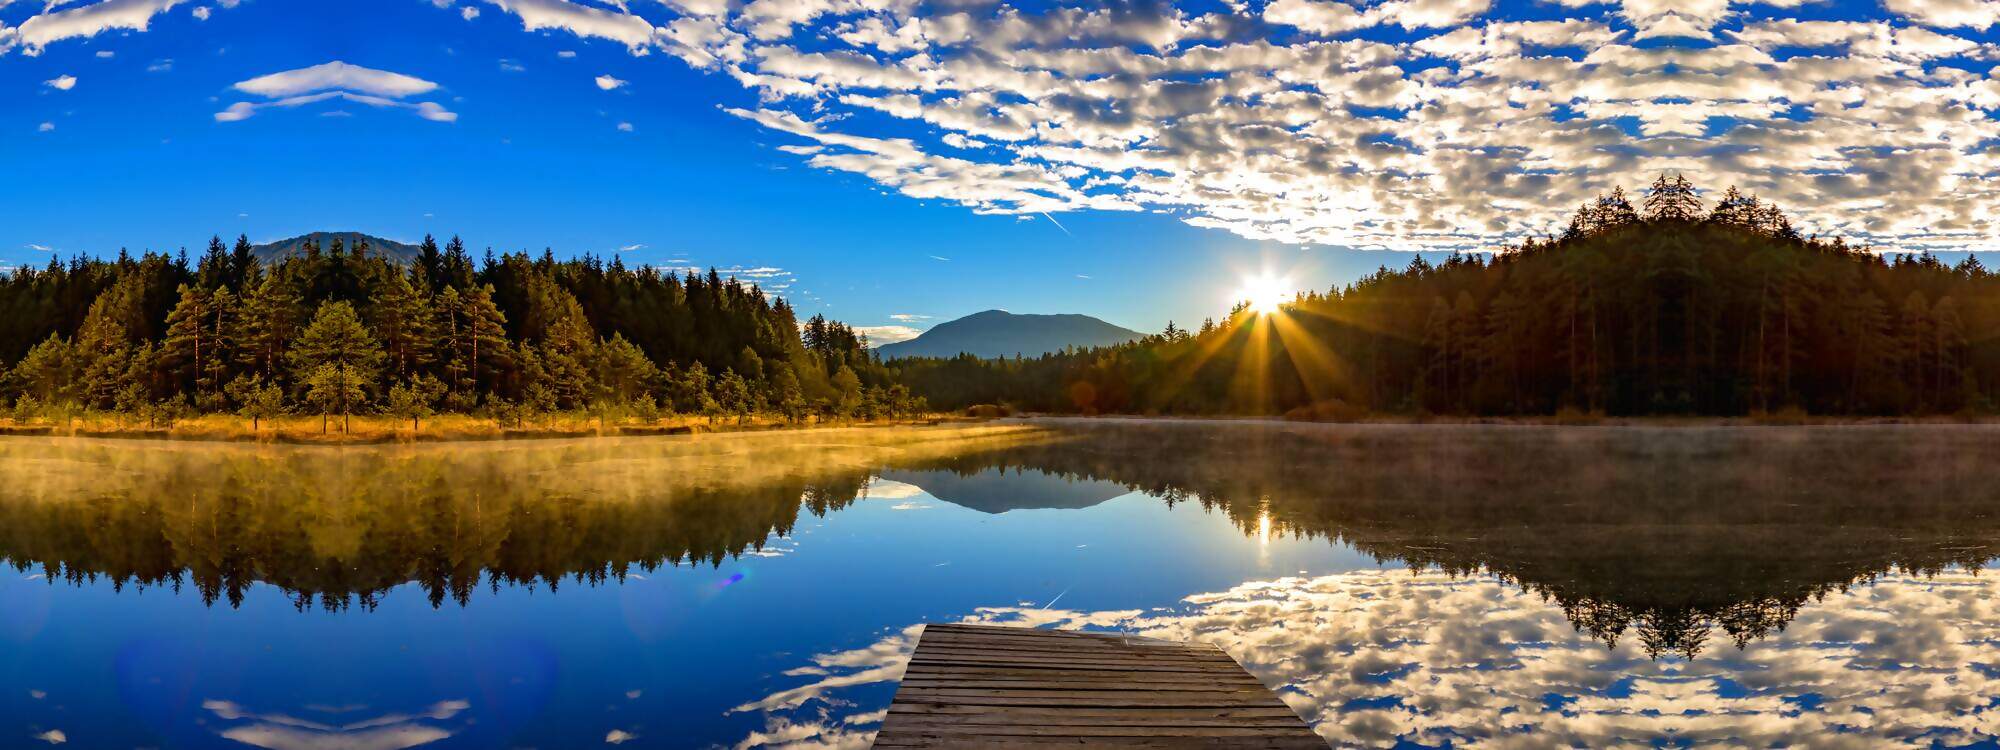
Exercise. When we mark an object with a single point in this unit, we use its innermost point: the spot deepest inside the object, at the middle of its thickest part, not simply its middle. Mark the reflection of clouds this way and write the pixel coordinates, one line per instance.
(883, 661)
(387, 732)
(890, 489)
(775, 546)
(1377, 657)
(805, 716)
(53, 737)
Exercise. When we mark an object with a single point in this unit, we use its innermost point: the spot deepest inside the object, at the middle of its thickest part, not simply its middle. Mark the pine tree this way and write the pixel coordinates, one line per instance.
(336, 359)
(847, 386)
(256, 399)
(489, 353)
(271, 317)
(623, 371)
(195, 356)
(415, 399)
(214, 270)
(401, 318)
(732, 393)
(242, 264)
(786, 394)
(1673, 200)
(48, 373)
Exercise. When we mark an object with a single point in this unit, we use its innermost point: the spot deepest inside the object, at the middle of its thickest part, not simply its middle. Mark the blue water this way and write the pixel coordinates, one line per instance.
(801, 640)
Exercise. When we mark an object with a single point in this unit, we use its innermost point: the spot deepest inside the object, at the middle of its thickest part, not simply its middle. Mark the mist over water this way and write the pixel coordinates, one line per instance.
(1431, 585)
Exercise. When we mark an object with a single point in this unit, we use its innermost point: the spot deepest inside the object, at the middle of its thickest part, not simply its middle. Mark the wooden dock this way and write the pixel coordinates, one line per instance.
(987, 686)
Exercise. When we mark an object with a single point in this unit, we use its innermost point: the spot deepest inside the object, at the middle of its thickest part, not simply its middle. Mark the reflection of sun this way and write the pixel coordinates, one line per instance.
(1264, 293)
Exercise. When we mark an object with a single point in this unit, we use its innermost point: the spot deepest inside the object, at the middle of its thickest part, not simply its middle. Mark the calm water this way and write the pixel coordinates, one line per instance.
(1423, 586)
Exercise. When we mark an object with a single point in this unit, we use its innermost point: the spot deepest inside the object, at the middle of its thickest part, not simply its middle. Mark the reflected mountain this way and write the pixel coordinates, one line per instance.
(998, 491)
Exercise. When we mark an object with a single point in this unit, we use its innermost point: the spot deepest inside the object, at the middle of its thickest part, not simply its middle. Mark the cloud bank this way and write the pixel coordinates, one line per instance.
(1408, 124)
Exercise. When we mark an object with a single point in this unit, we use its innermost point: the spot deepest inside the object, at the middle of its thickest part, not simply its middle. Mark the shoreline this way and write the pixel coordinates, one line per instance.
(288, 432)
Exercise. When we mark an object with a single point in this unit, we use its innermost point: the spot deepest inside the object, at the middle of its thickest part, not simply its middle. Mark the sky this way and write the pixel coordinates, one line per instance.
(898, 163)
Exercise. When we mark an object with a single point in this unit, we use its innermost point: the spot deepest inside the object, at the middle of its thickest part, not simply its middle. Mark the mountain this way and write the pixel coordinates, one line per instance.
(271, 252)
(998, 333)
(997, 491)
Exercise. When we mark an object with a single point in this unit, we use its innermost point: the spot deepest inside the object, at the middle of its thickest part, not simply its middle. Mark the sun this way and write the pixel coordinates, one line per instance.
(1264, 293)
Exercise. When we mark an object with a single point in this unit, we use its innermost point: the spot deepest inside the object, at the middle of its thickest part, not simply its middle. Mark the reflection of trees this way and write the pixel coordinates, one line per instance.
(343, 526)
(1663, 534)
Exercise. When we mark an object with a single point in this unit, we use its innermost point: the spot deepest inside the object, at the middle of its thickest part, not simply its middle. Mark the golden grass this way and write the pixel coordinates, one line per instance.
(365, 429)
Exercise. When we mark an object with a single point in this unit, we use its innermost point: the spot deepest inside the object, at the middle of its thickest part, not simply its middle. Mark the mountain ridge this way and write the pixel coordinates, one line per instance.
(276, 250)
(994, 334)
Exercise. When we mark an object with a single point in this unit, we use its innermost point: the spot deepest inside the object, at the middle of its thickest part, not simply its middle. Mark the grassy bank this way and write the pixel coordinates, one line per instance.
(375, 429)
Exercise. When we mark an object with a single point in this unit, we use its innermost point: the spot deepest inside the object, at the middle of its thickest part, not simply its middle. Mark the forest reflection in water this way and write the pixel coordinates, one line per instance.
(336, 528)
(1572, 585)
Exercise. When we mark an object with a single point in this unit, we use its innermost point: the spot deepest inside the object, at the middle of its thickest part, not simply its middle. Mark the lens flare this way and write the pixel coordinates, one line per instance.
(1264, 293)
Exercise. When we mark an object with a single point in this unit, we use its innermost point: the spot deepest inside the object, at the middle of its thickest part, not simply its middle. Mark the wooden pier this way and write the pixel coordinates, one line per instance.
(987, 686)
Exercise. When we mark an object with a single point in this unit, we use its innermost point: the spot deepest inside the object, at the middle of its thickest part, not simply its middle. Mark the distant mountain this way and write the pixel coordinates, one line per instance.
(271, 252)
(998, 333)
(996, 491)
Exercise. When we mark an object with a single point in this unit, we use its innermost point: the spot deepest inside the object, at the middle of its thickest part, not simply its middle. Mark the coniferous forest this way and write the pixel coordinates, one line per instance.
(1671, 306)
(339, 330)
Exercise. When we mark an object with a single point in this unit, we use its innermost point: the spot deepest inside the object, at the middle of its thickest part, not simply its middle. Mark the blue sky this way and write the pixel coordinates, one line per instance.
(726, 134)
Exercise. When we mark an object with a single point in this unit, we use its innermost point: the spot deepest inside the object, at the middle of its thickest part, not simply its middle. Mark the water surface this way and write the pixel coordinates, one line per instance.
(1412, 585)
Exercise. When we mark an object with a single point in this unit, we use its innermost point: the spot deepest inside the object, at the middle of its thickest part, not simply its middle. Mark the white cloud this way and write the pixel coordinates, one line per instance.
(619, 736)
(61, 83)
(392, 731)
(160, 66)
(82, 22)
(1977, 14)
(889, 334)
(908, 317)
(201, 13)
(624, 127)
(608, 83)
(53, 737)
(582, 20)
(336, 75)
(336, 81)
(566, 54)
(468, 13)
(47, 127)
(511, 66)
(105, 54)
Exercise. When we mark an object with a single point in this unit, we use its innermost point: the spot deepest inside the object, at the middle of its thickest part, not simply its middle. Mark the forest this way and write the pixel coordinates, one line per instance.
(1668, 307)
(337, 331)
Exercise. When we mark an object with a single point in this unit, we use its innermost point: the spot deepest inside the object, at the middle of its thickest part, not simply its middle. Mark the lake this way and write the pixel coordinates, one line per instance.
(1413, 585)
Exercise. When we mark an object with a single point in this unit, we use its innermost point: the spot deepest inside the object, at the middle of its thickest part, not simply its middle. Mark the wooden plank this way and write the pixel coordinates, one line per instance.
(1029, 714)
(922, 740)
(990, 686)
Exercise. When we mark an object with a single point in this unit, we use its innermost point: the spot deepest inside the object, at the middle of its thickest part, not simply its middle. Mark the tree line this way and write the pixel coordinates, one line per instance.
(341, 330)
(1672, 306)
